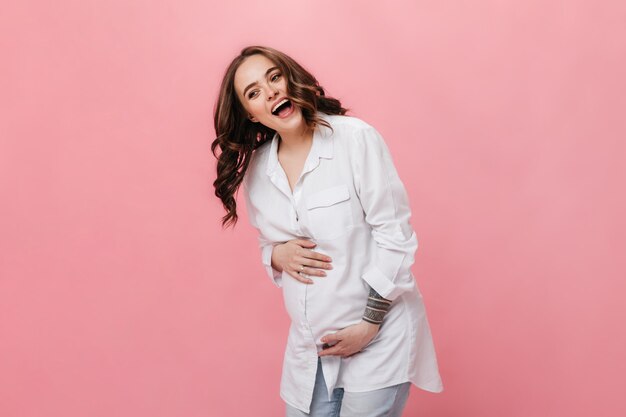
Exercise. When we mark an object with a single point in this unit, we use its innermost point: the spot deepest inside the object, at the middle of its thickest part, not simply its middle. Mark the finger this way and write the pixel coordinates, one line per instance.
(332, 337)
(306, 243)
(319, 264)
(309, 269)
(304, 272)
(314, 271)
(316, 255)
(333, 350)
(338, 350)
(299, 277)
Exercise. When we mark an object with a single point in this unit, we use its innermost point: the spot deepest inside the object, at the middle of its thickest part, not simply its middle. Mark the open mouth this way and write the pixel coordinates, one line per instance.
(283, 109)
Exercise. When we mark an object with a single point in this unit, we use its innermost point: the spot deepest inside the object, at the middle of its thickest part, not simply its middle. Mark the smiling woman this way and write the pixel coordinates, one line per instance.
(244, 117)
(281, 106)
(314, 177)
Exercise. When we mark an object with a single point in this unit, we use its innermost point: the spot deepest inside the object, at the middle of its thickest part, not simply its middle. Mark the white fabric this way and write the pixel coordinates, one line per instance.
(351, 202)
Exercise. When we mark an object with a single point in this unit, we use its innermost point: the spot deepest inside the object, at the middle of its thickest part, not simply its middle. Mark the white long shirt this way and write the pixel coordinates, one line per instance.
(351, 202)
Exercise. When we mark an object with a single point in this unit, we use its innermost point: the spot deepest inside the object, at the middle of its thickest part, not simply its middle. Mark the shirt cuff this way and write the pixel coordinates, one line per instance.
(390, 275)
(266, 254)
(383, 286)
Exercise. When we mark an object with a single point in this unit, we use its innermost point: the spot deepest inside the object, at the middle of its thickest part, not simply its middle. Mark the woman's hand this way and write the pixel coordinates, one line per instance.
(350, 340)
(291, 255)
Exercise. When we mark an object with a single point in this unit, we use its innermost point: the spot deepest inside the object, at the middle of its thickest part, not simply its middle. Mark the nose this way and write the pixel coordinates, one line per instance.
(272, 92)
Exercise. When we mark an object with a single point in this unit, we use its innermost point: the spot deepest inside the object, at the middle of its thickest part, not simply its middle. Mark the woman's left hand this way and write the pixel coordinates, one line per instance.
(350, 340)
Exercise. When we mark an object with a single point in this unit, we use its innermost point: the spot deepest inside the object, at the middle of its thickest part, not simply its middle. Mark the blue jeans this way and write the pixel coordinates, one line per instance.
(387, 402)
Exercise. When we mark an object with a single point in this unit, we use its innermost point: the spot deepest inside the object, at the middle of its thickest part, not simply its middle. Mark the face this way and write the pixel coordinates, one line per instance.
(261, 87)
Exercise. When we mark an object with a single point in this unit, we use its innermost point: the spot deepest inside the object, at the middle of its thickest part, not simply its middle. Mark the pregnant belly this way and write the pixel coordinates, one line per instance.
(328, 305)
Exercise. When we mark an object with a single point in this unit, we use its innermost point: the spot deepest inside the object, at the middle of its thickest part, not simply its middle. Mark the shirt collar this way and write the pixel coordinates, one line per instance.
(322, 146)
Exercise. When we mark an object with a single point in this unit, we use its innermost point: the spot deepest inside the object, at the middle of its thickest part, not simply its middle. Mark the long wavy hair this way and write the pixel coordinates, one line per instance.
(237, 136)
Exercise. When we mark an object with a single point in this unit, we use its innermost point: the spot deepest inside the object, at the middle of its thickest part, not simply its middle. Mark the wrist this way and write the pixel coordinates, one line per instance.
(371, 326)
(274, 254)
(376, 309)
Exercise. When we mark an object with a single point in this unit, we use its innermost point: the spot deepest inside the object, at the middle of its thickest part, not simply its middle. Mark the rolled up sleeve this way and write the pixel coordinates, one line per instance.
(386, 207)
(265, 245)
(266, 258)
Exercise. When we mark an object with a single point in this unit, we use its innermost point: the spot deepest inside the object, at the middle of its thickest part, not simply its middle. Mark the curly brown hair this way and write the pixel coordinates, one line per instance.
(237, 136)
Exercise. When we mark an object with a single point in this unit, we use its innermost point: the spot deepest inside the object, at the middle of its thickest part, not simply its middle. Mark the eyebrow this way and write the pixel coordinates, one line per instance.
(256, 82)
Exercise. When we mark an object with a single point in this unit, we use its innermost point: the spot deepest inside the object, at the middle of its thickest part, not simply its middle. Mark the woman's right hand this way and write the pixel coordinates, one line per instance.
(291, 255)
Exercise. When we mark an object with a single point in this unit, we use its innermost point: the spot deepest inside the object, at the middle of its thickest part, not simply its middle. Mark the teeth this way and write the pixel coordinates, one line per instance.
(278, 104)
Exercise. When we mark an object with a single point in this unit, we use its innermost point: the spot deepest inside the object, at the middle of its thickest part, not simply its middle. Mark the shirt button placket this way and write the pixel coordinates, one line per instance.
(294, 203)
(305, 329)
(294, 219)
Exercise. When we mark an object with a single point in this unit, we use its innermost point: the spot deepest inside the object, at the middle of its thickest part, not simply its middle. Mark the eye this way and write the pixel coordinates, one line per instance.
(275, 76)
(251, 94)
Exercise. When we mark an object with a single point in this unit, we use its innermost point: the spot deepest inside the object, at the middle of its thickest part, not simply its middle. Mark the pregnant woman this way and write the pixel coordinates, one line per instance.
(333, 223)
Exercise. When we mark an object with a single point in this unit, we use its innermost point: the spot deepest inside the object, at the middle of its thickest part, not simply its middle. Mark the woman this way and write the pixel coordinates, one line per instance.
(334, 233)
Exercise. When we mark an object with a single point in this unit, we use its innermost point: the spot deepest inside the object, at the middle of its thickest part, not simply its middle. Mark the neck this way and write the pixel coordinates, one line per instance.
(295, 140)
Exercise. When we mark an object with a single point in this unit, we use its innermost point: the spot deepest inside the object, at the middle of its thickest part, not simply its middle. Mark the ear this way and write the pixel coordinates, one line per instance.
(252, 118)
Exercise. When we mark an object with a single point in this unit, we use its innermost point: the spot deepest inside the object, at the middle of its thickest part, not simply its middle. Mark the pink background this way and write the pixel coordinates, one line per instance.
(120, 295)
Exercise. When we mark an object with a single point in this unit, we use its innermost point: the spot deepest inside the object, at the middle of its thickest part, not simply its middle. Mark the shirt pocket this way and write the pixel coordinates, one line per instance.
(330, 212)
